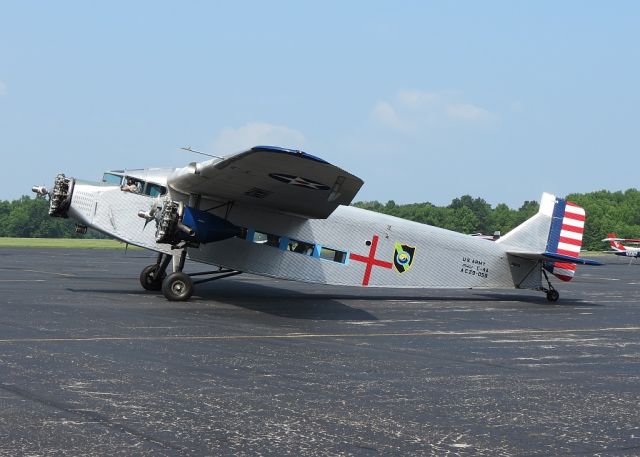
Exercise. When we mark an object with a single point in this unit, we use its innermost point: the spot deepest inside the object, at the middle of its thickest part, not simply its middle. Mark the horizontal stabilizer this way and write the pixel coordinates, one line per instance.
(555, 256)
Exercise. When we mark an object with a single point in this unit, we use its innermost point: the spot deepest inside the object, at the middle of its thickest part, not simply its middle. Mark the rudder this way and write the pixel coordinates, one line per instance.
(565, 237)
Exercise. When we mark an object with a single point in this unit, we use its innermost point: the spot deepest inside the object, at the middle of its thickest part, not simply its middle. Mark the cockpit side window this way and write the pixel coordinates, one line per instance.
(154, 190)
(134, 185)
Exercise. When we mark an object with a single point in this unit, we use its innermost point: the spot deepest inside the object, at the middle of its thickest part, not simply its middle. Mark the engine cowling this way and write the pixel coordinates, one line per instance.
(176, 222)
(60, 196)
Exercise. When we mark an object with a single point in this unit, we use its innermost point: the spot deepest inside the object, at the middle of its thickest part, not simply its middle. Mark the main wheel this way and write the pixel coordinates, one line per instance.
(177, 287)
(553, 295)
(148, 281)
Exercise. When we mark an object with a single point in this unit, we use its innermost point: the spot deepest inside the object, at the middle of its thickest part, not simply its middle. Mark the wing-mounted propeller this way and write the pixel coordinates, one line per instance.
(151, 214)
(177, 223)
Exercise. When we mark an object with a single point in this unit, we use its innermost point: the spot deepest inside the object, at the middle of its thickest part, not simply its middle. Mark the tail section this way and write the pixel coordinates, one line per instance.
(553, 236)
(532, 235)
(615, 243)
(565, 237)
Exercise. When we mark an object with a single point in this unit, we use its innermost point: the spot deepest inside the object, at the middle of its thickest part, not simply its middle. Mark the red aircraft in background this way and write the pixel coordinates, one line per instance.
(618, 248)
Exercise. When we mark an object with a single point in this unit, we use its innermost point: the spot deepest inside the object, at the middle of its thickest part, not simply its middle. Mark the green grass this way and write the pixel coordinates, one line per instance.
(67, 243)
(592, 253)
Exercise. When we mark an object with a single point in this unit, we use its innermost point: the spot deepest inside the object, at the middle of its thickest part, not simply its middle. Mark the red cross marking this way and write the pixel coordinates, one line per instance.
(370, 260)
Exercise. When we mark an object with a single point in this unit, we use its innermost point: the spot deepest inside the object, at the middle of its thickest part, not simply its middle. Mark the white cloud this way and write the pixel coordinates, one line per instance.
(385, 114)
(3, 89)
(231, 140)
(413, 110)
(468, 112)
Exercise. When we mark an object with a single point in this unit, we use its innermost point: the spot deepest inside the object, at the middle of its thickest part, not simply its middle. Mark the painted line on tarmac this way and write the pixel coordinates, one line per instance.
(50, 273)
(312, 335)
(22, 280)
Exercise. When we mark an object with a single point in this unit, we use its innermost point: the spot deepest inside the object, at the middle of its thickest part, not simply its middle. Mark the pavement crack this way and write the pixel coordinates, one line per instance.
(91, 416)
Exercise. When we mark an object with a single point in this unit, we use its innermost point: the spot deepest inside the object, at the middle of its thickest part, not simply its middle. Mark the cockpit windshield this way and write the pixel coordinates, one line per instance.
(134, 185)
(154, 190)
(111, 178)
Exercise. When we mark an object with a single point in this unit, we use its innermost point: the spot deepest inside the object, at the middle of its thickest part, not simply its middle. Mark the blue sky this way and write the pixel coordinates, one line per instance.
(426, 101)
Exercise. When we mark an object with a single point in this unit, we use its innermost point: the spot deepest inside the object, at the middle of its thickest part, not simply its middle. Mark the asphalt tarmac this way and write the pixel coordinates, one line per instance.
(91, 364)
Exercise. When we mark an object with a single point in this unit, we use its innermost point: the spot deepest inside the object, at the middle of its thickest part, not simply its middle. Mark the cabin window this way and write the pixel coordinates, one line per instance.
(110, 178)
(300, 247)
(333, 255)
(268, 239)
(292, 245)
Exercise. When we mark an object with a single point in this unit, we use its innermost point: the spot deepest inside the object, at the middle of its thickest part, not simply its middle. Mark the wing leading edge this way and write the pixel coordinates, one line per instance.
(283, 180)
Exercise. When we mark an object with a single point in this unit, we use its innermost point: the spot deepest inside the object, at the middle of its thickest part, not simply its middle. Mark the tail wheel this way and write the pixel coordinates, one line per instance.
(177, 287)
(553, 295)
(149, 280)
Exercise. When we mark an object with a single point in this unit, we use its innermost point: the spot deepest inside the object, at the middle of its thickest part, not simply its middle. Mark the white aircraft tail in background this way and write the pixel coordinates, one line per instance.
(618, 248)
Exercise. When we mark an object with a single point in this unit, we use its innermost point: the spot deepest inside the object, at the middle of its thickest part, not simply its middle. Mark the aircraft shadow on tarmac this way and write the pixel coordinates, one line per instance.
(234, 291)
(319, 305)
(534, 300)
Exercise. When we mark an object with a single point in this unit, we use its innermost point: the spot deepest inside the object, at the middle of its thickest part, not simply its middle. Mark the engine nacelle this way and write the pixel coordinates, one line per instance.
(176, 223)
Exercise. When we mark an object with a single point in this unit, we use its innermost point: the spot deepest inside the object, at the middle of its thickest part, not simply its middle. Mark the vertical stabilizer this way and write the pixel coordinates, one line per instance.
(532, 234)
(565, 237)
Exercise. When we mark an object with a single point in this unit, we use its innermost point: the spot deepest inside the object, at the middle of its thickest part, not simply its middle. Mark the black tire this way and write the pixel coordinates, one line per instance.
(177, 287)
(148, 282)
(553, 295)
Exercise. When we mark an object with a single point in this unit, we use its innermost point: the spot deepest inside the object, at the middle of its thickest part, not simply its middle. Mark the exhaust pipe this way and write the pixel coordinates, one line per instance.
(183, 228)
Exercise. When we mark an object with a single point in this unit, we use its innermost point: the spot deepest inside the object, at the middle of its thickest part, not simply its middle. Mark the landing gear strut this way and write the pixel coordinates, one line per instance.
(552, 293)
(152, 275)
(177, 286)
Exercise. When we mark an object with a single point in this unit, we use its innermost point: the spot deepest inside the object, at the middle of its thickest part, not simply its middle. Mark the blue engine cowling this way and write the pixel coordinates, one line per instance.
(205, 227)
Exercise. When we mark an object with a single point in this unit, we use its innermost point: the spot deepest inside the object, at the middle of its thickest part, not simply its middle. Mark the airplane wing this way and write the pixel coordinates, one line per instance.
(284, 180)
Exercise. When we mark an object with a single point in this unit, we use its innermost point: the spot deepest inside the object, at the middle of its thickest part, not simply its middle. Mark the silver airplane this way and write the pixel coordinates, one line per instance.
(284, 214)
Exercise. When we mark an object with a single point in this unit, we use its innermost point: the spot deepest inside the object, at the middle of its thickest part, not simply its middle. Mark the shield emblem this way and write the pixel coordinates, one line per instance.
(403, 257)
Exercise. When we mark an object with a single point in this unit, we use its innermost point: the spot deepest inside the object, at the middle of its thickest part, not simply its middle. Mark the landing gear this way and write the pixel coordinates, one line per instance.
(152, 276)
(552, 293)
(177, 286)
(149, 278)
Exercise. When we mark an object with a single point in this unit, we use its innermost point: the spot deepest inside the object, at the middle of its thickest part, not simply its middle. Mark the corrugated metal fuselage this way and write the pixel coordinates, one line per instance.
(352, 247)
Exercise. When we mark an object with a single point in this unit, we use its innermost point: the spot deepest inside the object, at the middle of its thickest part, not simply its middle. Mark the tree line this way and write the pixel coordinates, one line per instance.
(29, 218)
(607, 212)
